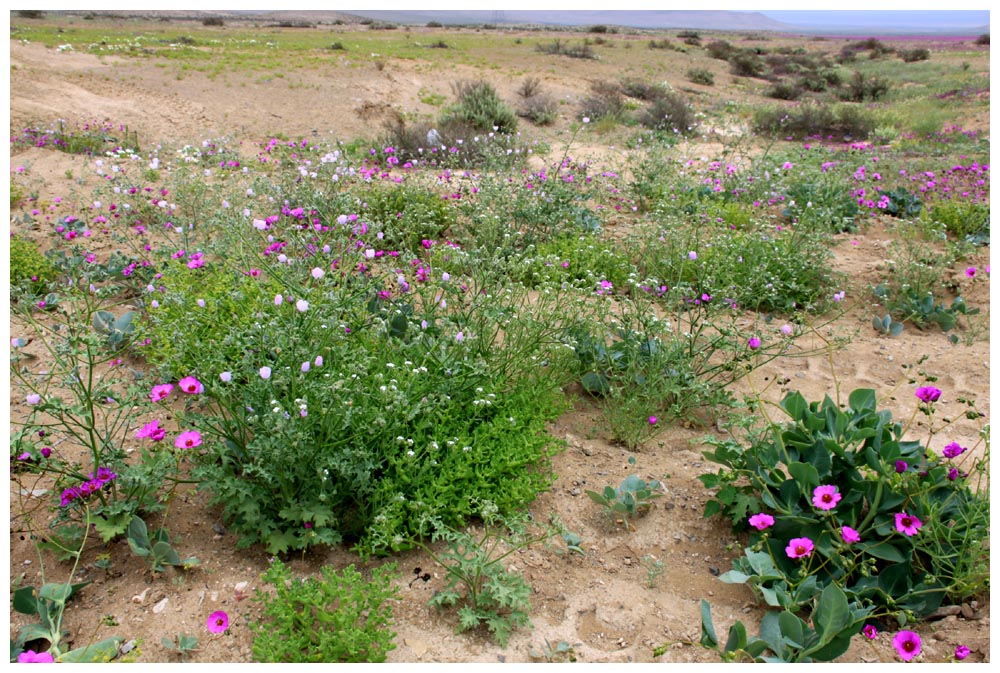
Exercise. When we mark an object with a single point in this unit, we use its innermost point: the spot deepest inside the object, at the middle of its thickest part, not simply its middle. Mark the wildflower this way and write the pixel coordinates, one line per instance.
(317, 273)
(191, 385)
(201, 303)
(928, 394)
(305, 366)
(753, 343)
(953, 474)
(870, 632)
(217, 622)
(786, 330)
(161, 391)
(265, 373)
(277, 300)
(226, 377)
(838, 296)
(459, 337)
(907, 524)
(152, 431)
(907, 644)
(692, 255)
(826, 497)
(318, 361)
(188, 439)
(32, 657)
(970, 272)
(961, 652)
(953, 450)
(302, 305)
(761, 521)
(849, 535)
(799, 547)
(652, 420)
(33, 399)
(901, 466)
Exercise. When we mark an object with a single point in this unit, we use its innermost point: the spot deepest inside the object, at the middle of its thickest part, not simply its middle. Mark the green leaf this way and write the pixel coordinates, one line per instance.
(833, 649)
(23, 601)
(770, 633)
(101, 651)
(137, 533)
(882, 550)
(111, 527)
(34, 632)
(734, 577)
(737, 637)
(708, 637)
(831, 615)
(595, 384)
(164, 553)
(795, 404)
(397, 326)
(792, 629)
(805, 474)
(57, 593)
(862, 399)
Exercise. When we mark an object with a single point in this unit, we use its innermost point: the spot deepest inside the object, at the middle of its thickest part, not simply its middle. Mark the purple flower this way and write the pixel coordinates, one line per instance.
(753, 343)
(761, 521)
(692, 255)
(826, 497)
(217, 622)
(305, 366)
(652, 420)
(226, 377)
(870, 632)
(265, 373)
(970, 272)
(152, 431)
(907, 524)
(318, 361)
(191, 385)
(953, 450)
(161, 391)
(928, 394)
(961, 652)
(786, 330)
(32, 657)
(901, 466)
(849, 535)
(799, 547)
(907, 644)
(953, 474)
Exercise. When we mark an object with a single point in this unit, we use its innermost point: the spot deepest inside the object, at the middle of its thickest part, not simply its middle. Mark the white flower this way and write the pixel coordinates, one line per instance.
(317, 273)
(265, 373)
(302, 305)
(226, 377)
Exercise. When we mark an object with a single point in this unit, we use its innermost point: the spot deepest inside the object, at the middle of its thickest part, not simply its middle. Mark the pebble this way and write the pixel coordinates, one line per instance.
(575, 491)
(161, 606)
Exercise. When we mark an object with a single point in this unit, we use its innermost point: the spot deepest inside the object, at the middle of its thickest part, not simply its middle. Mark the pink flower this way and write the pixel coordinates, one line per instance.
(217, 622)
(317, 273)
(970, 272)
(870, 632)
(906, 524)
(302, 305)
(907, 644)
(692, 255)
(161, 391)
(825, 497)
(961, 652)
(265, 373)
(32, 657)
(318, 361)
(849, 535)
(278, 299)
(953, 450)
(761, 521)
(305, 366)
(152, 431)
(928, 394)
(786, 330)
(753, 343)
(191, 385)
(33, 399)
(226, 377)
(799, 547)
(188, 439)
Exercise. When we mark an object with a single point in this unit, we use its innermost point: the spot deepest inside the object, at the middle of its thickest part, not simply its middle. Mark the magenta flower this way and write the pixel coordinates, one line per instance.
(928, 394)
(692, 255)
(188, 439)
(761, 521)
(217, 622)
(826, 497)
(652, 420)
(32, 657)
(907, 644)
(901, 466)
(906, 524)
(961, 652)
(970, 272)
(953, 450)
(870, 632)
(849, 535)
(753, 343)
(161, 391)
(152, 431)
(191, 385)
(799, 547)
(953, 474)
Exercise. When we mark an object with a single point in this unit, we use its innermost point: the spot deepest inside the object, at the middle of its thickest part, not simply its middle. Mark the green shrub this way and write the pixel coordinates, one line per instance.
(29, 268)
(636, 88)
(340, 618)
(559, 48)
(983, 40)
(720, 49)
(914, 55)
(962, 220)
(812, 119)
(860, 88)
(409, 215)
(669, 112)
(746, 64)
(540, 109)
(478, 105)
(701, 76)
(605, 101)
(784, 91)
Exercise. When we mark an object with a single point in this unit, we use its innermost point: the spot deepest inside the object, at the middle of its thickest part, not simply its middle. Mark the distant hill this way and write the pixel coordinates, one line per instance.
(704, 20)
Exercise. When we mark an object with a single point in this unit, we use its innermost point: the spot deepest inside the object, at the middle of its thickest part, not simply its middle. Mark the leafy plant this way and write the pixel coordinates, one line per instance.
(487, 592)
(117, 330)
(554, 653)
(837, 497)
(339, 618)
(156, 550)
(788, 637)
(181, 644)
(886, 326)
(630, 499)
(29, 267)
(901, 203)
(923, 310)
(478, 104)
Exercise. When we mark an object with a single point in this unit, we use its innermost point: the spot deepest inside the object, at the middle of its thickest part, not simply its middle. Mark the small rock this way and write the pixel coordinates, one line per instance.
(587, 451)
(161, 606)
(218, 529)
(967, 611)
(241, 586)
(575, 491)
(139, 598)
(27, 561)
(419, 647)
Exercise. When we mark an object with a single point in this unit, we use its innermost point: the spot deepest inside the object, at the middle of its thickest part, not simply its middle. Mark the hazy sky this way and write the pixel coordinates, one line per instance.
(880, 18)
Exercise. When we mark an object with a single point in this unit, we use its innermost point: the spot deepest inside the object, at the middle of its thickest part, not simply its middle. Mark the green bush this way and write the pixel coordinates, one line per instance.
(812, 119)
(409, 215)
(605, 101)
(860, 88)
(340, 618)
(701, 76)
(914, 55)
(669, 112)
(784, 91)
(29, 268)
(962, 220)
(478, 105)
